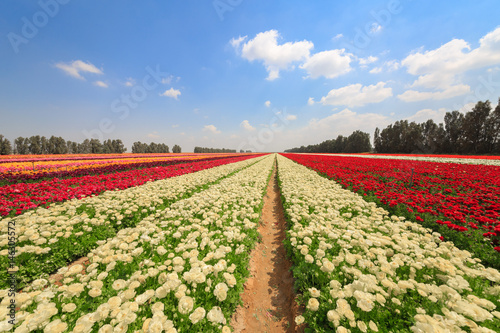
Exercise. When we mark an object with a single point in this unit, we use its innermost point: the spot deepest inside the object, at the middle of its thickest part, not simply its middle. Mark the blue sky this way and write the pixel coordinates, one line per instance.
(241, 74)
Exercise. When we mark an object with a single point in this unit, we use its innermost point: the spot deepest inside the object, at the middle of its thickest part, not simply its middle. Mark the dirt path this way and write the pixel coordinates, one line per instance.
(268, 300)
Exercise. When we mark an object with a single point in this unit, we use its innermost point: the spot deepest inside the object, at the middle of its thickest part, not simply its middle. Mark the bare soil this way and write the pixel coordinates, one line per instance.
(268, 300)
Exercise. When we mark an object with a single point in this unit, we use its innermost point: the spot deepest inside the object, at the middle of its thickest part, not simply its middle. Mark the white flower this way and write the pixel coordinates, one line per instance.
(215, 315)
(57, 326)
(197, 315)
(313, 304)
(94, 292)
(314, 292)
(75, 289)
(119, 284)
(186, 304)
(373, 326)
(299, 320)
(220, 291)
(70, 307)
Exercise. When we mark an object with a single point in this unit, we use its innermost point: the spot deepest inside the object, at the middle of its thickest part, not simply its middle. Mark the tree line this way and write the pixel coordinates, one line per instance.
(153, 148)
(40, 145)
(357, 142)
(475, 132)
(213, 150)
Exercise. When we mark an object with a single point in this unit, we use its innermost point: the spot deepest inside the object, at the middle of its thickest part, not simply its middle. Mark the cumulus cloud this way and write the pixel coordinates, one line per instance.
(388, 66)
(329, 64)
(172, 93)
(452, 91)
(426, 114)
(275, 57)
(363, 62)
(153, 135)
(101, 84)
(291, 117)
(337, 37)
(267, 103)
(340, 123)
(246, 126)
(130, 82)
(168, 79)
(235, 42)
(357, 95)
(439, 69)
(75, 68)
(310, 101)
(375, 28)
(211, 128)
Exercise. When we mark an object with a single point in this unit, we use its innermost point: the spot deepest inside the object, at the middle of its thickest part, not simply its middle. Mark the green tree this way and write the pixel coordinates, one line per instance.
(475, 128)
(358, 142)
(95, 146)
(5, 146)
(21, 146)
(176, 149)
(453, 123)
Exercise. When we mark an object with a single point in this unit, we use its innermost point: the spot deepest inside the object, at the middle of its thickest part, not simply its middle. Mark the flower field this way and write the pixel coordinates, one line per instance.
(16, 198)
(59, 234)
(178, 268)
(361, 269)
(461, 159)
(460, 201)
(168, 249)
(35, 167)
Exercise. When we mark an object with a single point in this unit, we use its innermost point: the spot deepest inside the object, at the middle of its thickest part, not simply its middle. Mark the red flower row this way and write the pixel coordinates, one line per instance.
(461, 196)
(14, 199)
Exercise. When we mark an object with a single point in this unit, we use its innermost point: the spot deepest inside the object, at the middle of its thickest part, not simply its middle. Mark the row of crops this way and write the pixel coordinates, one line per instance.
(171, 254)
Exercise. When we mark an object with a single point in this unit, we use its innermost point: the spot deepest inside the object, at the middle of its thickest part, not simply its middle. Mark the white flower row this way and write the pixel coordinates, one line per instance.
(461, 160)
(362, 270)
(180, 268)
(37, 230)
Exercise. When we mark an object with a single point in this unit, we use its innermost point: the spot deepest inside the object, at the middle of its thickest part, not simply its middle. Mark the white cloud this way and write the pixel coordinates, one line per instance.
(130, 82)
(426, 114)
(337, 36)
(366, 61)
(168, 79)
(264, 47)
(346, 121)
(153, 135)
(172, 93)
(317, 130)
(440, 68)
(175, 125)
(310, 101)
(101, 84)
(357, 95)
(211, 128)
(375, 28)
(246, 126)
(267, 103)
(291, 117)
(76, 67)
(329, 64)
(388, 66)
(235, 42)
(452, 91)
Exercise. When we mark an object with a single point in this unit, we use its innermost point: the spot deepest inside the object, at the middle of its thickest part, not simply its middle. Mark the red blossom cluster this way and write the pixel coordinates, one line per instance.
(461, 196)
